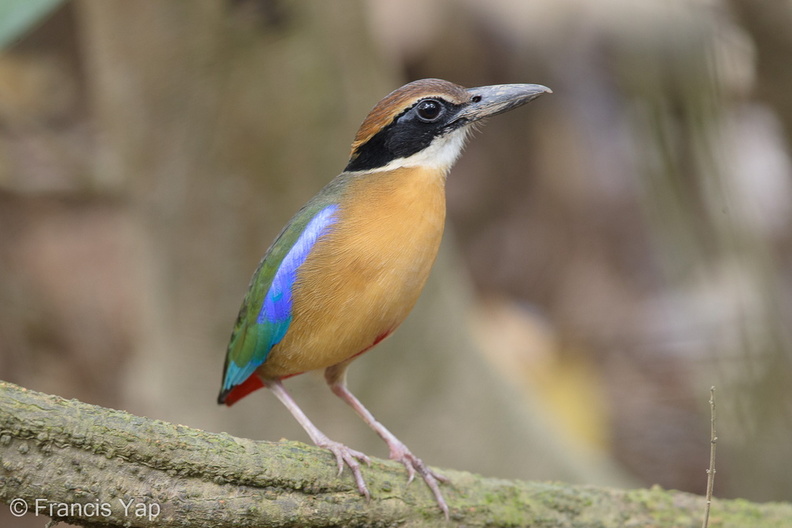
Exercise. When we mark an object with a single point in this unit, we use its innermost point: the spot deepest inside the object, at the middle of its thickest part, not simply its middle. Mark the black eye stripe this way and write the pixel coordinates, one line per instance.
(408, 133)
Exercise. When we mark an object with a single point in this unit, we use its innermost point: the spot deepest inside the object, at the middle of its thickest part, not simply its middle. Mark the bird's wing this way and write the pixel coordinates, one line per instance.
(266, 310)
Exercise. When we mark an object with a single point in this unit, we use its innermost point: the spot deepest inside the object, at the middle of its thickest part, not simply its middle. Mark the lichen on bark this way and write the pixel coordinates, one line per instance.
(120, 469)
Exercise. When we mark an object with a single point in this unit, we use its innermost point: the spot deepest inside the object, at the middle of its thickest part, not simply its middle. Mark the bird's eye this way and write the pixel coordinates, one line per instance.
(429, 110)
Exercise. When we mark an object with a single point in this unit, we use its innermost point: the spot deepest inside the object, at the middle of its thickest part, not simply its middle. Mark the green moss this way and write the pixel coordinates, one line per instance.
(221, 480)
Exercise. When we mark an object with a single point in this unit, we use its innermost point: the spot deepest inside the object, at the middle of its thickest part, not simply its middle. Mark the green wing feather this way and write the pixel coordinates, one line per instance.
(252, 339)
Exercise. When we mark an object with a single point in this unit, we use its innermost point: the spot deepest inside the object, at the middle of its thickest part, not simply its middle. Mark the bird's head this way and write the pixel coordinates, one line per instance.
(426, 122)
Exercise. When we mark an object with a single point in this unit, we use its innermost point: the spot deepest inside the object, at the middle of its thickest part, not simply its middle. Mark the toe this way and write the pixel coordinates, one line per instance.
(350, 458)
(415, 465)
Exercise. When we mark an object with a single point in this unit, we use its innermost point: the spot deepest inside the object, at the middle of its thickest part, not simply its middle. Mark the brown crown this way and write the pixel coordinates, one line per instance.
(402, 98)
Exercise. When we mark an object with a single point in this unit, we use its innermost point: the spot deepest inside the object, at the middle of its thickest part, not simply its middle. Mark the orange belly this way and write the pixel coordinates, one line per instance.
(362, 279)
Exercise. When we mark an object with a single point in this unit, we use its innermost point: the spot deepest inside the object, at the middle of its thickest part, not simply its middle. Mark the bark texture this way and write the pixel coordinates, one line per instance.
(125, 470)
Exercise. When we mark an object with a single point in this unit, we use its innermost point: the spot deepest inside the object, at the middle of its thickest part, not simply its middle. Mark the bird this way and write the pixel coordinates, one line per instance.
(349, 266)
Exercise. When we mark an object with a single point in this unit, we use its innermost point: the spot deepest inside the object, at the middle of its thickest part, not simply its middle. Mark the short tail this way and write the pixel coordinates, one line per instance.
(232, 395)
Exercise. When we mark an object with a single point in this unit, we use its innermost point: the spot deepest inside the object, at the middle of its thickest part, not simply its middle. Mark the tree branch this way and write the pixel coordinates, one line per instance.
(100, 467)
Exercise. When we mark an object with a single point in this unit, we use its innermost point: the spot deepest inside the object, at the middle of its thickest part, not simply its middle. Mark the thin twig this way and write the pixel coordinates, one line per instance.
(711, 470)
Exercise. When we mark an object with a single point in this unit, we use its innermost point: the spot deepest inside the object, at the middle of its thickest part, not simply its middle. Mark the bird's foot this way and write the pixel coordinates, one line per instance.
(400, 453)
(350, 457)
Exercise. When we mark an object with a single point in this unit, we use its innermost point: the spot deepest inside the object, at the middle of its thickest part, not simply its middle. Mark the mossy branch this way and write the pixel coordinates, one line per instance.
(93, 466)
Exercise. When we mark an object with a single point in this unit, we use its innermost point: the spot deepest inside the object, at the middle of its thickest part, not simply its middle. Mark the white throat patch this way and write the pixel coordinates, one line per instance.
(441, 153)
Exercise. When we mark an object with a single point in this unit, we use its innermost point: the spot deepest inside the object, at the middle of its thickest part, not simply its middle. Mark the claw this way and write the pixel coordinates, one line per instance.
(400, 453)
(349, 457)
(343, 454)
(410, 470)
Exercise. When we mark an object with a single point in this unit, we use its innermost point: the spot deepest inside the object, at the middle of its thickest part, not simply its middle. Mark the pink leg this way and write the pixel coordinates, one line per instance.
(343, 454)
(398, 451)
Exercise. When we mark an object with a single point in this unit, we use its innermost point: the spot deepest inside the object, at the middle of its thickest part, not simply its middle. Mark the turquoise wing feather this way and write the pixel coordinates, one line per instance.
(266, 311)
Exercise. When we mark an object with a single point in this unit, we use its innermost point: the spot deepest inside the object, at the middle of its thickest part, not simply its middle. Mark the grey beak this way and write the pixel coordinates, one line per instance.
(487, 101)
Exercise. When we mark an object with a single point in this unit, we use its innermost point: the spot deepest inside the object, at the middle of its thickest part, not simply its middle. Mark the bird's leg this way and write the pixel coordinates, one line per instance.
(343, 454)
(398, 451)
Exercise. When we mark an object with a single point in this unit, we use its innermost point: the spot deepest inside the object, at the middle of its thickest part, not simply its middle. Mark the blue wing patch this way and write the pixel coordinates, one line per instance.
(277, 305)
(275, 315)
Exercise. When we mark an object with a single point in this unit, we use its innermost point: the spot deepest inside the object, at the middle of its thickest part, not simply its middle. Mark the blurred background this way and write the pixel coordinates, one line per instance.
(613, 249)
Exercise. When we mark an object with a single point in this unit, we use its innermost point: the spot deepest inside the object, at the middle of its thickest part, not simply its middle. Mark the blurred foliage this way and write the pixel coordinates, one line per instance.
(617, 247)
(17, 17)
